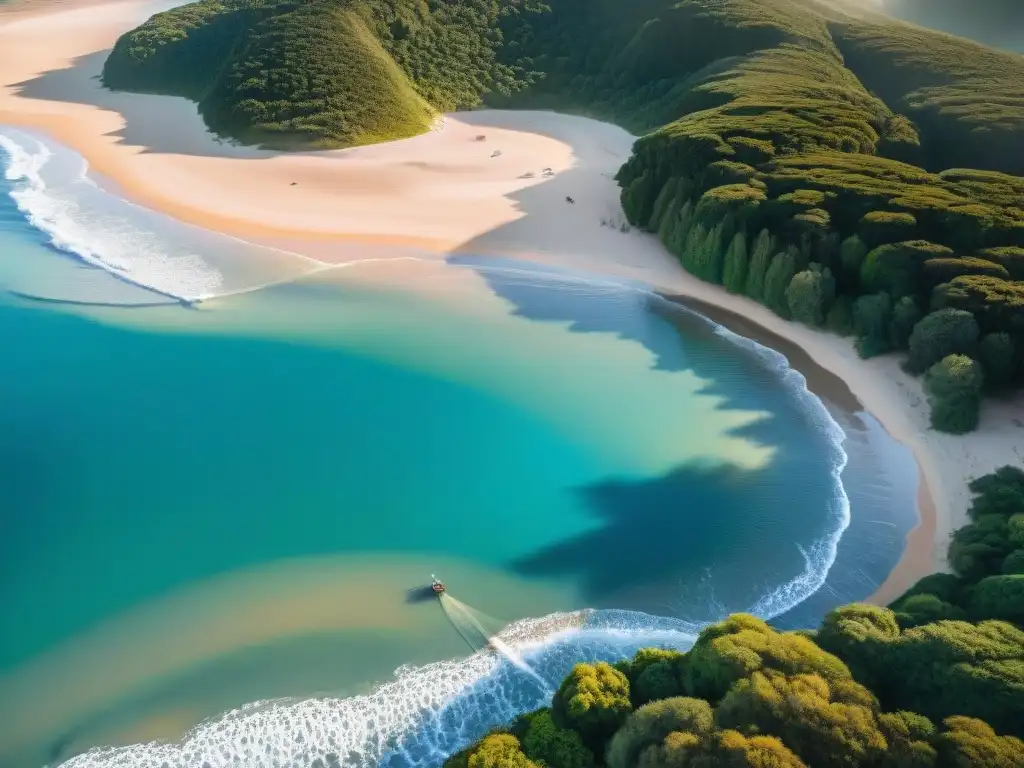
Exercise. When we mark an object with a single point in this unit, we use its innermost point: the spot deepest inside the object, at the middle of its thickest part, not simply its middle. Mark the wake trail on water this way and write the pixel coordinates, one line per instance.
(472, 630)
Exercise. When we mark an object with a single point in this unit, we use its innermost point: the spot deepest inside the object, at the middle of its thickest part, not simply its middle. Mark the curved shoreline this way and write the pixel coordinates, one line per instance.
(831, 388)
(459, 198)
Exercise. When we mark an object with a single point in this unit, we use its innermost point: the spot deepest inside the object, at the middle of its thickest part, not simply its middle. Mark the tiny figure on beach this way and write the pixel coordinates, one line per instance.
(548, 172)
(294, 184)
(496, 153)
(481, 137)
(570, 200)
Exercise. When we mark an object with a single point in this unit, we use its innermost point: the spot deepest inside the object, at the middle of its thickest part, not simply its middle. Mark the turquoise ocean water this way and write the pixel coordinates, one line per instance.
(215, 516)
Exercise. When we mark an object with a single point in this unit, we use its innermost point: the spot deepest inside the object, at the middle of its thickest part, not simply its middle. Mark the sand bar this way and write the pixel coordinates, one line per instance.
(445, 192)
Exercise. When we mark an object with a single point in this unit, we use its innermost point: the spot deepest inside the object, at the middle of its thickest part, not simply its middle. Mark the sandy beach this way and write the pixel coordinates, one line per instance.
(444, 192)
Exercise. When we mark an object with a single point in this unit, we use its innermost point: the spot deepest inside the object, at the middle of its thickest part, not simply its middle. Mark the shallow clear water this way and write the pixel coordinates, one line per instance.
(208, 507)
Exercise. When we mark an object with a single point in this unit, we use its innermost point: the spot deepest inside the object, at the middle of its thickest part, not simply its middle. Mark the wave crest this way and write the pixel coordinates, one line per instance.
(57, 197)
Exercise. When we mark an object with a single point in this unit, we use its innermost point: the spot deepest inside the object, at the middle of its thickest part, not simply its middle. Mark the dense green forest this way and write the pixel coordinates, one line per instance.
(936, 680)
(857, 175)
(850, 172)
(324, 73)
(996, 22)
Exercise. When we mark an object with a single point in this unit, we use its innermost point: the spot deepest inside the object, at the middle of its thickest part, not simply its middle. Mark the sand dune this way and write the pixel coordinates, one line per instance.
(441, 192)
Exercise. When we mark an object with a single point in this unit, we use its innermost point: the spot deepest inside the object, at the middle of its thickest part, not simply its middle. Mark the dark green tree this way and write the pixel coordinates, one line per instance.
(954, 391)
(651, 723)
(999, 597)
(977, 550)
(954, 667)
(760, 258)
(594, 701)
(810, 295)
(852, 252)
(916, 610)
(776, 281)
(939, 334)
(860, 635)
(909, 737)
(905, 315)
(998, 354)
(840, 318)
(897, 267)
(1013, 563)
(663, 203)
(871, 317)
(734, 271)
(547, 744)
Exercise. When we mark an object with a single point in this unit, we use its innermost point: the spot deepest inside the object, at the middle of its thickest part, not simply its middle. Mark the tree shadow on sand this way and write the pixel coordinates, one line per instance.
(168, 124)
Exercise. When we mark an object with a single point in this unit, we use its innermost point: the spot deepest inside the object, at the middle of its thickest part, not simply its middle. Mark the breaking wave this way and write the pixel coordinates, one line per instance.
(51, 187)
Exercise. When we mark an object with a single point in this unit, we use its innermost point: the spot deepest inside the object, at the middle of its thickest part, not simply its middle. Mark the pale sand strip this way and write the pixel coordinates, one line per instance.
(445, 192)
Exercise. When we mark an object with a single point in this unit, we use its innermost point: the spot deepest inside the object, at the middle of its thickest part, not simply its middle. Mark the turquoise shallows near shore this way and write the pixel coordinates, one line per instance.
(214, 506)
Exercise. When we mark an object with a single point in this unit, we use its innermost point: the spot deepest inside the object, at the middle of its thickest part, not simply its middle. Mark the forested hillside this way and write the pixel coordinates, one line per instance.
(937, 681)
(299, 73)
(856, 175)
(996, 22)
(849, 172)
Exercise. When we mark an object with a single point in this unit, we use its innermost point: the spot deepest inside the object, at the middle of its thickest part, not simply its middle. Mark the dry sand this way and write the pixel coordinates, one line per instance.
(447, 192)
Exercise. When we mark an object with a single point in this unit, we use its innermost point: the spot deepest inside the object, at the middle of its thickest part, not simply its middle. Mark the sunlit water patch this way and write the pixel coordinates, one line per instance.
(229, 505)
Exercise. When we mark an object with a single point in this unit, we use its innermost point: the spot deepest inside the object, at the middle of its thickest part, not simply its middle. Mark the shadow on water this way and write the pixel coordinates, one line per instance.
(711, 519)
(714, 519)
(421, 594)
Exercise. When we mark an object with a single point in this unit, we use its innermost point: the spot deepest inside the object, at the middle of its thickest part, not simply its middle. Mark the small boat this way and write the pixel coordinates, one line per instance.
(436, 585)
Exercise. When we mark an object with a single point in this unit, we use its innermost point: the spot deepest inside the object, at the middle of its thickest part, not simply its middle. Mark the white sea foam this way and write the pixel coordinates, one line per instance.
(416, 720)
(51, 186)
(58, 198)
(820, 556)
